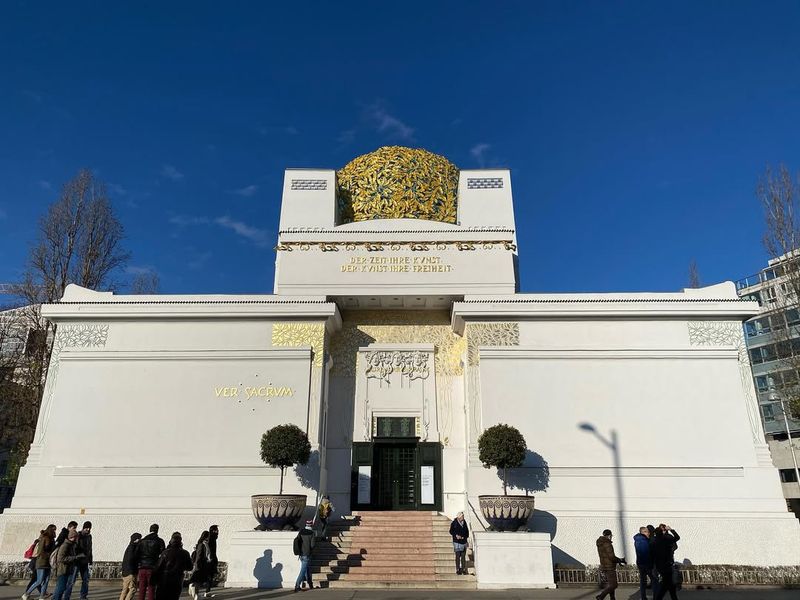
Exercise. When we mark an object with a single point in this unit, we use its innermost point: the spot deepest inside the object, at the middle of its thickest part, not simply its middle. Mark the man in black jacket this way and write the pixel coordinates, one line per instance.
(147, 552)
(83, 547)
(130, 568)
(662, 552)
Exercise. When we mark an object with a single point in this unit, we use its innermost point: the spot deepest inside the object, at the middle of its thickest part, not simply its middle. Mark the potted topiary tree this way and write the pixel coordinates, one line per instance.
(503, 447)
(281, 447)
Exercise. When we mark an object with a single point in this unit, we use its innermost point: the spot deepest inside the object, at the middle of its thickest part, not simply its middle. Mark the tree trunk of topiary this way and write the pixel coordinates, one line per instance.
(505, 479)
(282, 469)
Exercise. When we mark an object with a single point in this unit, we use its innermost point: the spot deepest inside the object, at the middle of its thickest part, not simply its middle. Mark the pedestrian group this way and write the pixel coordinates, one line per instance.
(655, 559)
(151, 569)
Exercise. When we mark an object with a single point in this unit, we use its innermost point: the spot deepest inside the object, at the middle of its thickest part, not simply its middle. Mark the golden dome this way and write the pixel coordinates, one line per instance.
(394, 182)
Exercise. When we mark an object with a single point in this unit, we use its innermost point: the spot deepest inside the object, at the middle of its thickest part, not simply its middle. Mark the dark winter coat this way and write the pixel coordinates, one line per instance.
(461, 529)
(169, 570)
(84, 550)
(45, 546)
(148, 550)
(663, 550)
(605, 550)
(129, 565)
(306, 542)
(642, 545)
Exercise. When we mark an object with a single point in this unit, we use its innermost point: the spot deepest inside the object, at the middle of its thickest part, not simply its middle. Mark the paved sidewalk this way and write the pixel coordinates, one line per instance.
(104, 591)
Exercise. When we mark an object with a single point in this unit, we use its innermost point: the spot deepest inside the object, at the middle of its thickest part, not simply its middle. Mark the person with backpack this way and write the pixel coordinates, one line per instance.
(323, 513)
(47, 540)
(84, 552)
(169, 570)
(62, 563)
(200, 564)
(31, 554)
(130, 568)
(303, 546)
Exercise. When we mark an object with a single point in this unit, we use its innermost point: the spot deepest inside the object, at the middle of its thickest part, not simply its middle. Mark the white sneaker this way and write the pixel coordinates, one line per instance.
(24, 596)
(209, 595)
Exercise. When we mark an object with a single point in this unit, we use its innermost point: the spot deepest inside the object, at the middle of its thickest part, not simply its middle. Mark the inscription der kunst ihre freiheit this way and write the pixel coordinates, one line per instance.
(396, 264)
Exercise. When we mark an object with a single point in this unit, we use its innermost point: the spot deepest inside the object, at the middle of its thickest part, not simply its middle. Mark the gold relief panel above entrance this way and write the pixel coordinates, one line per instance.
(361, 329)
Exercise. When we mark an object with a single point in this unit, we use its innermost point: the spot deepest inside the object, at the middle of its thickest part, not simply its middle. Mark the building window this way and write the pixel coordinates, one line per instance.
(768, 295)
(761, 383)
(750, 329)
(767, 411)
(793, 317)
(788, 475)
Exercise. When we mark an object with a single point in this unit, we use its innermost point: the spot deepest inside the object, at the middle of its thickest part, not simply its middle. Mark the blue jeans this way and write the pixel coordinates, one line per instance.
(61, 586)
(42, 578)
(305, 574)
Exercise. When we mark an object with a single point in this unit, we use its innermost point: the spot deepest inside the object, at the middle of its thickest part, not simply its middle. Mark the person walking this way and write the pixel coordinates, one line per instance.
(608, 565)
(644, 562)
(84, 552)
(47, 540)
(148, 551)
(200, 564)
(303, 547)
(63, 563)
(213, 561)
(169, 570)
(130, 568)
(663, 553)
(460, 533)
(323, 513)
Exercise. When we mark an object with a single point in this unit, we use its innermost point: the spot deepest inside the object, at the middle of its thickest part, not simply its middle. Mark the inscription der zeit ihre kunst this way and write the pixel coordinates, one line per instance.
(396, 264)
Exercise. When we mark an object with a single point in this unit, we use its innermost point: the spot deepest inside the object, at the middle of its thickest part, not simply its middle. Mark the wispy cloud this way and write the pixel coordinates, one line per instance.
(285, 129)
(258, 236)
(45, 185)
(170, 172)
(117, 189)
(347, 136)
(198, 260)
(387, 124)
(188, 220)
(33, 96)
(478, 152)
(247, 191)
(139, 270)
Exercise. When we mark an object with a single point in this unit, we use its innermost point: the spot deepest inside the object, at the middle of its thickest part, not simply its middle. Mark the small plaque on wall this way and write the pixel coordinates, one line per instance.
(364, 483)
(426, 484)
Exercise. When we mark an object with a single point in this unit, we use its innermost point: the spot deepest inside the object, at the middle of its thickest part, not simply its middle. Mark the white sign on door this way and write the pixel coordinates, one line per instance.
(426, 483)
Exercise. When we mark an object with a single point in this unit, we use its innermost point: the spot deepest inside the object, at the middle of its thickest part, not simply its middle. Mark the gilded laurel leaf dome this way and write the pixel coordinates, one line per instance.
(395, 182)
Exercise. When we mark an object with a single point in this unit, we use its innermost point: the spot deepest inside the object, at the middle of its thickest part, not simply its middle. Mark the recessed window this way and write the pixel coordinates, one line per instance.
(788, 475)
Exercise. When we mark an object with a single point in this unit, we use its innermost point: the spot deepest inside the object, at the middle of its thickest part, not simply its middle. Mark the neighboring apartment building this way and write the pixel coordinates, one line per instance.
(773, 342)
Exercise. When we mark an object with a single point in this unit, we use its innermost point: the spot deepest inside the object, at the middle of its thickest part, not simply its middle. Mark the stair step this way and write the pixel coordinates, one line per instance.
(420, 585)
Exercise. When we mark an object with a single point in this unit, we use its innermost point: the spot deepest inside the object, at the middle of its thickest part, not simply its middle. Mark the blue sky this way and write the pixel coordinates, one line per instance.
(635, 132)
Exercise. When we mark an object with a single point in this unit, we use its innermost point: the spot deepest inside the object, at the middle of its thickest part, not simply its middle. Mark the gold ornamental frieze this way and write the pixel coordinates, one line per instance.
(489, 334)
(293, 334)
(365, 327)
(461, 246)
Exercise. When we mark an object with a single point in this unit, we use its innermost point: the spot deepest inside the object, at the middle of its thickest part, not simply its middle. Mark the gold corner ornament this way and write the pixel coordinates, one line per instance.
(301, 334)
(395, 182)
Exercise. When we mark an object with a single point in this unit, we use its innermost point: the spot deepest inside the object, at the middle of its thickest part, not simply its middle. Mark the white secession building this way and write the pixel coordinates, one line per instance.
(395, 336)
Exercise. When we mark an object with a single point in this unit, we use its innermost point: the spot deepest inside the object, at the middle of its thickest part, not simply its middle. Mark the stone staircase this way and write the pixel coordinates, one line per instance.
(397, 549)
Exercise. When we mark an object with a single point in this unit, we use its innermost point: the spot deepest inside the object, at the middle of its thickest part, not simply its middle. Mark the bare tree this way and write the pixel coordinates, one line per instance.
(79, 241)
(779, 194)
(694, 274)
(146, 282)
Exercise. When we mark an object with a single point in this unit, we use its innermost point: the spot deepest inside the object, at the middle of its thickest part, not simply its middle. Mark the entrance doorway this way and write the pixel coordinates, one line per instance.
(396, 474)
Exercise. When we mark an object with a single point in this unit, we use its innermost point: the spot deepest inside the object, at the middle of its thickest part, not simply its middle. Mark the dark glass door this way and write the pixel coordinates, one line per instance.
(396, 477)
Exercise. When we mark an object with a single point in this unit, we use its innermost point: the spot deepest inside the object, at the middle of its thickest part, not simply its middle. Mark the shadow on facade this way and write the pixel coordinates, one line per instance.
(612, 443)
(533, 476)
(267, 574)
(547, 522)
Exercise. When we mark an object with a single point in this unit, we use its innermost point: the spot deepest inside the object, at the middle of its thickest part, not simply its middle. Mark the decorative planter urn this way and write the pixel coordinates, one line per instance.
(277, 511)
(506, 513)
